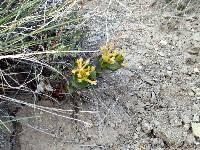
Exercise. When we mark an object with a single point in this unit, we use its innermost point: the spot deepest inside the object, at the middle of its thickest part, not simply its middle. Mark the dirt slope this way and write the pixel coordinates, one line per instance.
(149, 105)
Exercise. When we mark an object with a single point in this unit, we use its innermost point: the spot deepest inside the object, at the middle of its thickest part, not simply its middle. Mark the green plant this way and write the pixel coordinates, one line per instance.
(111, 59)
(29, 25)
(85, 74)
(3, 127)
(35, 40)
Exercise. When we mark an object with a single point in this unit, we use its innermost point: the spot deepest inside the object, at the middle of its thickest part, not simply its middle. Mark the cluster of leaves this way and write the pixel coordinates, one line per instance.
(85, 73)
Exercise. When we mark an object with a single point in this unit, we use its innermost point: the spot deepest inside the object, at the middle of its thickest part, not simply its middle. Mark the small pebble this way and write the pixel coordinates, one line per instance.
(161, 54)
(169, 73)
(194, 51)
(195, 107)
(162, 42)
(135, 136)
(186, 126)
(196, 70)
(146, 127)
(169, 68)
(195, 118)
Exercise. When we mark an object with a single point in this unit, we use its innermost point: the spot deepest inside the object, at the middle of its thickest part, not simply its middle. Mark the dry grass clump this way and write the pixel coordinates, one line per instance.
(40, 53)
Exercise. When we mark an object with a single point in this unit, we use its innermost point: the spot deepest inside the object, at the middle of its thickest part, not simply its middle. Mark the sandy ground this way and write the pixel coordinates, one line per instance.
(149, 105)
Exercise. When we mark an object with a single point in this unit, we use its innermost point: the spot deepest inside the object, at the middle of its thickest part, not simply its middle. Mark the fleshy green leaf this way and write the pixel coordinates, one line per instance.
(114, 66)
(93, 75)
(120, 58)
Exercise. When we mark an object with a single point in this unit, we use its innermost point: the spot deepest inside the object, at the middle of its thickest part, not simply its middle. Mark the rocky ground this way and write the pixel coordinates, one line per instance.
(149, 105)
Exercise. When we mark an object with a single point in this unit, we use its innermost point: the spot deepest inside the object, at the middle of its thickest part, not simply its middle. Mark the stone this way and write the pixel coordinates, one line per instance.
(49, 88)
(148, 80)
(169, 68)
(194, 51)
(146, 126)
(135, 136)
(153, 96)
(169, 73)
(190, 61)
(186, 126)
(138, 128)
(162, 54)
(40, 87)
(196, 143)
(163, 43)
(196, 129)
(195, 118)
(196, 70)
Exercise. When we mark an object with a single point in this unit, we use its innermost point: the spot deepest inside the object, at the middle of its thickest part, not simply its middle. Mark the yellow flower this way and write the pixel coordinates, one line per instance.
(83, 71)
(109, 55)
